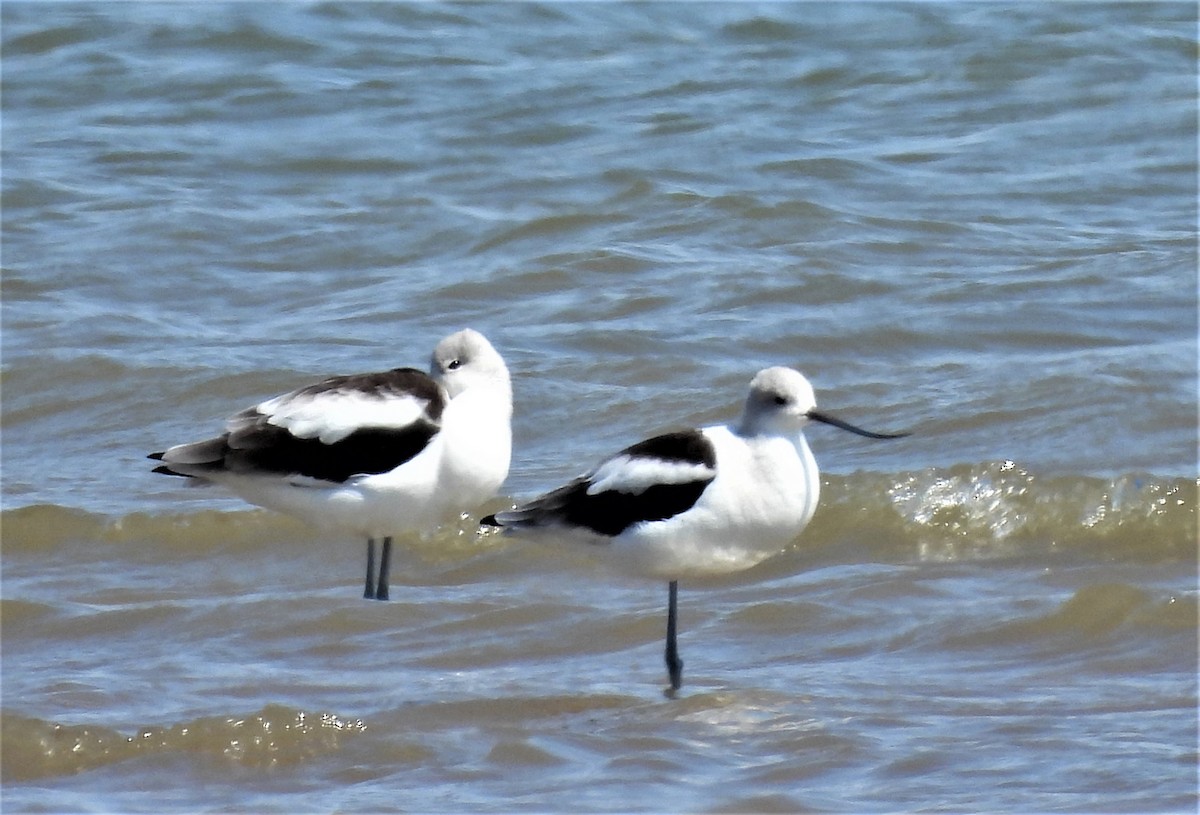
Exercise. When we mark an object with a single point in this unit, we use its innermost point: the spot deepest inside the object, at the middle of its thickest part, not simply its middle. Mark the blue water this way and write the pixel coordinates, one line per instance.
(975, 221)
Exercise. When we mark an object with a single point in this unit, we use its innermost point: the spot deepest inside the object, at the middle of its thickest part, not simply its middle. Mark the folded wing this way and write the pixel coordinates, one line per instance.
(330, 431)
(650, 481)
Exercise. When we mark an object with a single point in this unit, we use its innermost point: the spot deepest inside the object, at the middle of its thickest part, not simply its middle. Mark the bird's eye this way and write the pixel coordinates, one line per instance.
(779, 400)
(454, 364)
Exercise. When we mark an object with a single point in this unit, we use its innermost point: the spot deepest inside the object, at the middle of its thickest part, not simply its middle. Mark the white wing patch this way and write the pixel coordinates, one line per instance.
(332, 415)
(634, 475)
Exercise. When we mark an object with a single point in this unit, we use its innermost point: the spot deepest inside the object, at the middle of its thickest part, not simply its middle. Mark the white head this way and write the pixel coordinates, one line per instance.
(779, 402)
(782, 401)
(467, 360)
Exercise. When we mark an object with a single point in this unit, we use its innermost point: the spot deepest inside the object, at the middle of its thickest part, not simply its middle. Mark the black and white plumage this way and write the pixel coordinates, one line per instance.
(650, 481)
(697, 502)
(375, 454)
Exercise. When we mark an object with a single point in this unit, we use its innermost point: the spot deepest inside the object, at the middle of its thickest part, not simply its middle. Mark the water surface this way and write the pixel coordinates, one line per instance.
(975, 221)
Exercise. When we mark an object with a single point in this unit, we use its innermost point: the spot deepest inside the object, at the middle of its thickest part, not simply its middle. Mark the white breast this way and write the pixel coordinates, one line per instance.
(765, 493)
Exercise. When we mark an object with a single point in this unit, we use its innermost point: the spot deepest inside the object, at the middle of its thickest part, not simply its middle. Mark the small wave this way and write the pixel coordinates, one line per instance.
(966, 512)
(36, 530)
(46, 527)
(274, 736)
(1091, 615)
(999, 509)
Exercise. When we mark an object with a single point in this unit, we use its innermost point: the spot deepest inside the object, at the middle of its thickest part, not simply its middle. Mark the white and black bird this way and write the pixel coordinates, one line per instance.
(374, 454)
(698, 502)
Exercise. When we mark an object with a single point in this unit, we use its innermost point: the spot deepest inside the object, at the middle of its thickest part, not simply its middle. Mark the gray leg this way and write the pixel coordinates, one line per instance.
(674, 663)
(385, 560)
(369, 591)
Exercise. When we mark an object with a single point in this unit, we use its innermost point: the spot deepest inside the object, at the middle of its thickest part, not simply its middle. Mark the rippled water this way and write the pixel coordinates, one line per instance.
(975, 221)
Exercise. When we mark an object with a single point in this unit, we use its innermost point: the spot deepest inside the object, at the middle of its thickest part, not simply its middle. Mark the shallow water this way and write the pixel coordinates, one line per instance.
(975, 221)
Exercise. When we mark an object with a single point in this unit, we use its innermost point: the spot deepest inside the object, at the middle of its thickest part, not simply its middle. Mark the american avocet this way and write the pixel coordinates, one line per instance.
(374, 454)
(697, 502)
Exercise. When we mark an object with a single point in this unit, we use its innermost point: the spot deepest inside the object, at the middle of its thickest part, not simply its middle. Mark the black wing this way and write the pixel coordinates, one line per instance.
(335, 429)
(649, 481)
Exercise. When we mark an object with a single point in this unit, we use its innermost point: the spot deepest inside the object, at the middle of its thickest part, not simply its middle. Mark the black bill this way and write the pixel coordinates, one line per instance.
(818, 416)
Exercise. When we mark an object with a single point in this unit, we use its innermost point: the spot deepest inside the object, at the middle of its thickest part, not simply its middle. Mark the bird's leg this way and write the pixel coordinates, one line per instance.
(385, 559)
(369, 591)
(674, 663)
